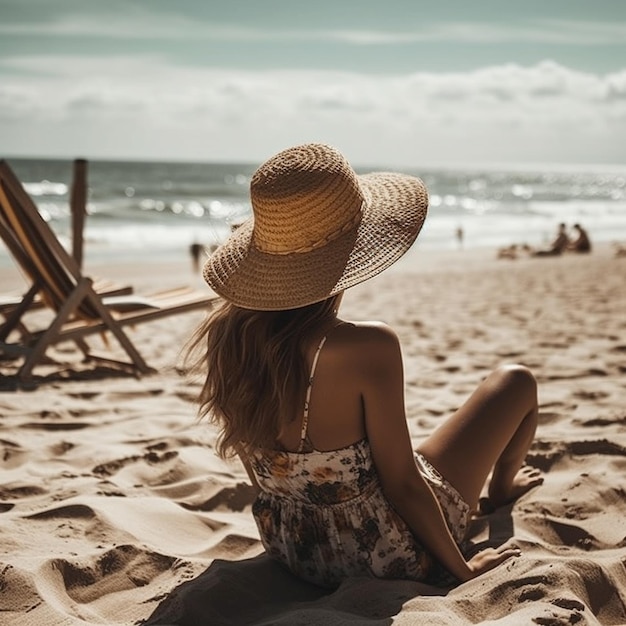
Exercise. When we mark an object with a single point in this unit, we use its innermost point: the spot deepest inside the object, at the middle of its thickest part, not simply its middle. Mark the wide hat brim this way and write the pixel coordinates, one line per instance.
(392, 215)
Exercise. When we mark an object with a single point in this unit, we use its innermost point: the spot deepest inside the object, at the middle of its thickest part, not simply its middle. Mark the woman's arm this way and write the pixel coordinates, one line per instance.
(390, 442)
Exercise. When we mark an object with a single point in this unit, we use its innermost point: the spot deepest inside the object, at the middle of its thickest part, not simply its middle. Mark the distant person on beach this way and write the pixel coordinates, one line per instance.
(559, 245)
(459, 236)
(195, 249)
(313, 404)
(582, 242)
(619, 249)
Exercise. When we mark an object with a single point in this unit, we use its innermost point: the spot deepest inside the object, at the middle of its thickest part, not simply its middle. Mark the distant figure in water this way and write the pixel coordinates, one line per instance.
(582, 242)
(195, 249)
(558, 246)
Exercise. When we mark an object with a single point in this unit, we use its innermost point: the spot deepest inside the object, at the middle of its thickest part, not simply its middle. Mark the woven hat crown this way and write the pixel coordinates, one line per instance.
(304, 198)
(317, 229)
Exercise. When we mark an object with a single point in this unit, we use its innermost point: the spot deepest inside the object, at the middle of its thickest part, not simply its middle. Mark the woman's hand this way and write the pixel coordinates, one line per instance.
(490, 558)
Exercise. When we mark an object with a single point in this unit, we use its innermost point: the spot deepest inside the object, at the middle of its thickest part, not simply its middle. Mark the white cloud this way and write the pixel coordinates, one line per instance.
(144, 108)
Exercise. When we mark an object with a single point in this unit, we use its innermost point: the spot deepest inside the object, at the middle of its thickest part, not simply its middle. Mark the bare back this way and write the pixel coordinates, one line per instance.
(336, 411)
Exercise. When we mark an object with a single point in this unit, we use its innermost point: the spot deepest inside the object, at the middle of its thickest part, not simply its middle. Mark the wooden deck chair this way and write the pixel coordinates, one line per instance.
(78, 201)
(78, 310)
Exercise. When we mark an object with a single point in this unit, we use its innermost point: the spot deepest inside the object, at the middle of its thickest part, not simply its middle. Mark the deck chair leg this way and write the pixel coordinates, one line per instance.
(13, 318)
(82, 291)
(85, 291)
(121, 336)
(47, 338)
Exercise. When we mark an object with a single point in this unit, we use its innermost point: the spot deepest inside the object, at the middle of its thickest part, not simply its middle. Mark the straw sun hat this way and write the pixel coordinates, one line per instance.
(317, 229)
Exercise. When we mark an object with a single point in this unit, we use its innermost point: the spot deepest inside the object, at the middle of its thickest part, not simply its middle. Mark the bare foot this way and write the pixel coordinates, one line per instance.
(526, 479)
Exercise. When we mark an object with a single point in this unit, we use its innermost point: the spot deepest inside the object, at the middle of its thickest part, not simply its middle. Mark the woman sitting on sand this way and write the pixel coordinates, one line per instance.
(582, 243)
(558, 245)
(314, 404)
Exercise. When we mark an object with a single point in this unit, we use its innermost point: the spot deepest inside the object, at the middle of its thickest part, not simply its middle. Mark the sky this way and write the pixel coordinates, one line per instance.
(391, 82)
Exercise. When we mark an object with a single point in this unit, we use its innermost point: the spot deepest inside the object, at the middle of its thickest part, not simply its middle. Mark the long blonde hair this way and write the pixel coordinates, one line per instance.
(256, 372)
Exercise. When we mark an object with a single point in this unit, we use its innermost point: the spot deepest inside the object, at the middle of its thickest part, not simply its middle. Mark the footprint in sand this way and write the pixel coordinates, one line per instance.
(12, 454)
(54, 426)
(123, 567)
(19, 594)
(603, 421)
(20, 492)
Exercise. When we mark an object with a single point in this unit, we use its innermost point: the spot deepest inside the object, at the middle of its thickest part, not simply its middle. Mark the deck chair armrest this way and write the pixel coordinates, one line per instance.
(129, 302)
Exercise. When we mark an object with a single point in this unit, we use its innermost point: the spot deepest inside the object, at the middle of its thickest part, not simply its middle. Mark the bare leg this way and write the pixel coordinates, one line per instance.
(492, 430)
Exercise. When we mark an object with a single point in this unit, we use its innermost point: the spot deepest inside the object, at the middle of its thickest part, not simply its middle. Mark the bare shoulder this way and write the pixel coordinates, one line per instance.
(369, 344)
(364, 333)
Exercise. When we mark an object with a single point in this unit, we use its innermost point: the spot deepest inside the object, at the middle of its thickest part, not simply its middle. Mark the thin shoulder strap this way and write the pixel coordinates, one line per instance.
(305, 417)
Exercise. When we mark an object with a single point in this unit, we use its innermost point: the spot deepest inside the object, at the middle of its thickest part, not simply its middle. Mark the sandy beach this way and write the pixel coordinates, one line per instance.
(114, 508)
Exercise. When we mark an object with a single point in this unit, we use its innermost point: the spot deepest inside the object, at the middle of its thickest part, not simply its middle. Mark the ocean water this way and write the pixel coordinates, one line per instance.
(142, 208)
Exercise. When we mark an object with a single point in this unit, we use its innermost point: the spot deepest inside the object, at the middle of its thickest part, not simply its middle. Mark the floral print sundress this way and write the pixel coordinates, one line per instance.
(323, 514)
